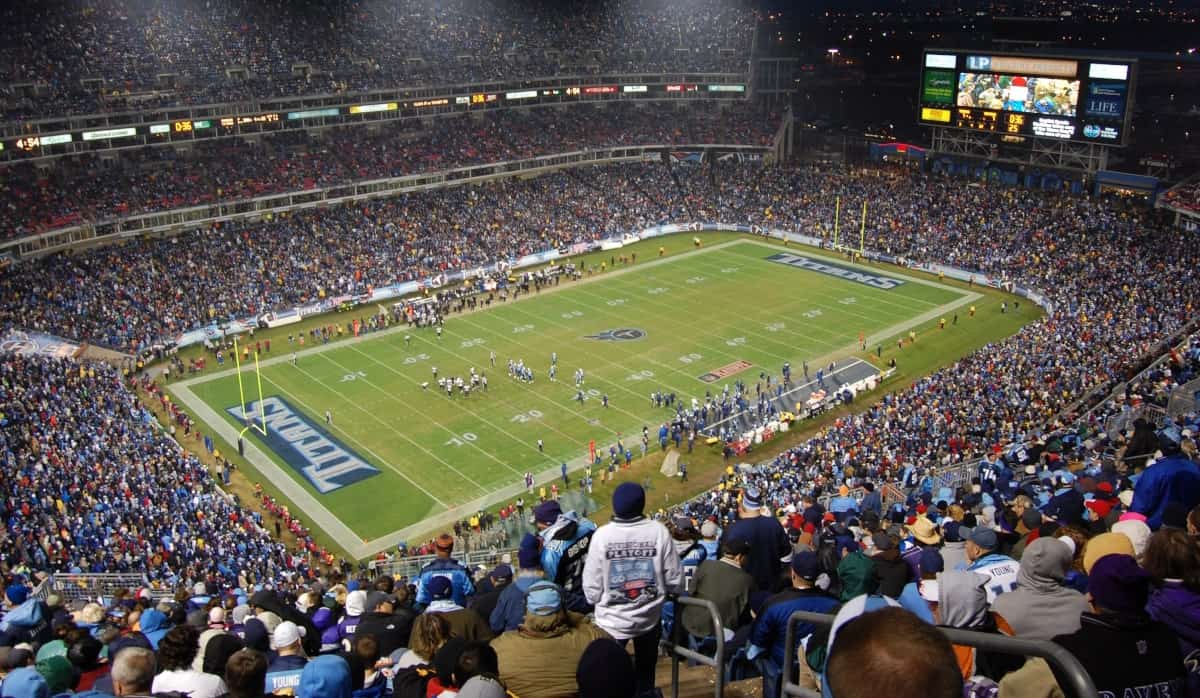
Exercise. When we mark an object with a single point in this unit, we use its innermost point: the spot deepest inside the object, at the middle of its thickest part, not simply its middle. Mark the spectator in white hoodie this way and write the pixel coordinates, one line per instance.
(631, 566)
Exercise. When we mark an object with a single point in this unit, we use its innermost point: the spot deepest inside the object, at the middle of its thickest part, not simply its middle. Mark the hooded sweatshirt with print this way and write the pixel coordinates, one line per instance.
(1041, 608)
(631, 566)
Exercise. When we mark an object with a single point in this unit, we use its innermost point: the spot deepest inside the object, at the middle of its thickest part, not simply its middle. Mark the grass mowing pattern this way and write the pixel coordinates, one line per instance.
(700, 312)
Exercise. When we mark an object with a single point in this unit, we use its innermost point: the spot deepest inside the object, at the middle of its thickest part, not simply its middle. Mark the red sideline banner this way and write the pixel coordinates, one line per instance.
(726, 371)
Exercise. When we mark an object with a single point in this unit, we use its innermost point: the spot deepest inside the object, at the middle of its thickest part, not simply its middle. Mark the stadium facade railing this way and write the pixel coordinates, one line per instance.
(1184, 399)
(410, 567)
(89, 587)
(1178, 341)
(1066, 665)
(680, 651)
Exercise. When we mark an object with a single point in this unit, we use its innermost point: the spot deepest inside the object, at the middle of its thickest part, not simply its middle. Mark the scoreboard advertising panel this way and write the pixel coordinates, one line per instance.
(1077, 99)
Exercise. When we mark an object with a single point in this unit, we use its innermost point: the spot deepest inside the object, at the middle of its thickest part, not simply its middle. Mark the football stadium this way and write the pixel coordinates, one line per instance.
(599, 348)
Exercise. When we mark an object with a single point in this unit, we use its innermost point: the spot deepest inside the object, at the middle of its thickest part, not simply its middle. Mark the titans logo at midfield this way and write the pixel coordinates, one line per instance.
(624, 334)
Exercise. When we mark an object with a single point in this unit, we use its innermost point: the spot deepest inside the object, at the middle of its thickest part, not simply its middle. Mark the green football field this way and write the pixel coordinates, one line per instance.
(407, 452)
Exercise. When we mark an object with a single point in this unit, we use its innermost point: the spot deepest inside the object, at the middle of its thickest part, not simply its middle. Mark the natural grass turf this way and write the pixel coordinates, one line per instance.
(700, 313)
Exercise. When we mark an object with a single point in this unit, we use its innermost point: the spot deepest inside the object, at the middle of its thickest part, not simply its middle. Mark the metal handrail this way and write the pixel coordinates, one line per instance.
(679, 650)
(1079, 683)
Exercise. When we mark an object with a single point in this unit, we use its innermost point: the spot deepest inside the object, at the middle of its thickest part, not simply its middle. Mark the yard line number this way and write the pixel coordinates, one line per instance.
(464, 438)
(524, 417)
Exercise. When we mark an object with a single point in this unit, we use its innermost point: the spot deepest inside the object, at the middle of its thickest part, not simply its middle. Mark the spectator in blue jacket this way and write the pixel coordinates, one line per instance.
(768, 637)
(510, 607)
(445, 566)
(565, 538)
(843, 504)
(1172, 478)
(872, 501)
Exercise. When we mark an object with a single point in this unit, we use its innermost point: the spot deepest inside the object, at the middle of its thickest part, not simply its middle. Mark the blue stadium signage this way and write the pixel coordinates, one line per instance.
(886, 283)
(309, 449)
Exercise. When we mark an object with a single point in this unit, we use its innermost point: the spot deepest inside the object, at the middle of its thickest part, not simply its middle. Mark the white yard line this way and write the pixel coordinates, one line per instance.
(286, 350)
(387, 427)
(358, 548)
(313, 509)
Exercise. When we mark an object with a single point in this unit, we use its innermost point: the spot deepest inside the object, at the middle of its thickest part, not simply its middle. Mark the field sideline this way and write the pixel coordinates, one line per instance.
(439, 459)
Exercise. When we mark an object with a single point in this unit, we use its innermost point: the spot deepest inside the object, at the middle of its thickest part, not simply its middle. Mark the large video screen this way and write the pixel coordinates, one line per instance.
(1077, 99)
(1018, 93)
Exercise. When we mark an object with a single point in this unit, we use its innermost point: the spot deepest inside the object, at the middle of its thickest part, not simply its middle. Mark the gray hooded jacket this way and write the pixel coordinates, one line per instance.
(1041, 608)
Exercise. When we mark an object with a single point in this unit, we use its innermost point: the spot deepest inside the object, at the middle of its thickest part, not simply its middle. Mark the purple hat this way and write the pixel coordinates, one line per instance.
(1116, 583)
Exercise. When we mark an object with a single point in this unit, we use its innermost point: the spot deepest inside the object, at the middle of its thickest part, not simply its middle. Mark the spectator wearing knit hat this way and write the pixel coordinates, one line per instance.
(606, 671)
(510, 607)
(1122, 649)
(445, 567)
(631, 567)
(767, 539)
(565, 537)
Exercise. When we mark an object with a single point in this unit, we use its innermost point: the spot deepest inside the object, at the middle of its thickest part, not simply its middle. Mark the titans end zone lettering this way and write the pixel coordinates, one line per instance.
(311, 451)
(886, 283)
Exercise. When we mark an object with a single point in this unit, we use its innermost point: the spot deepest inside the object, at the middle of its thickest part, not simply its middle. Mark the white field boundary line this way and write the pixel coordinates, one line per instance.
(358, 548)
(511, 492)
(286, 351)
(293, 490)
(445, 348)
(853, 363)
(417, 384)
(387, 428)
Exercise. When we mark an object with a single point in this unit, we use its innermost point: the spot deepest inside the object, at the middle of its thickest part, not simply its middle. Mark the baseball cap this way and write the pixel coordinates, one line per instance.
(374, 598)
(951, 532)
(543, 599)
(440, 588)
(547, 512)
(751, 498)
(735, 546)
(708, 529)
(931, 561)
(501, 572)
(984, 538)
(806, 565)
(286, 634)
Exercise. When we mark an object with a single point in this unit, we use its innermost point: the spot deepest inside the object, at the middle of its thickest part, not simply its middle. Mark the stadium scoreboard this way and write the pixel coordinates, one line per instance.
(1055, 97)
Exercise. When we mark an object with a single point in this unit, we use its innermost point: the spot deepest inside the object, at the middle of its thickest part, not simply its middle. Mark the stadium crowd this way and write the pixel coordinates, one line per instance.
(117, 55)
(94, 189)
(1053, 506)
